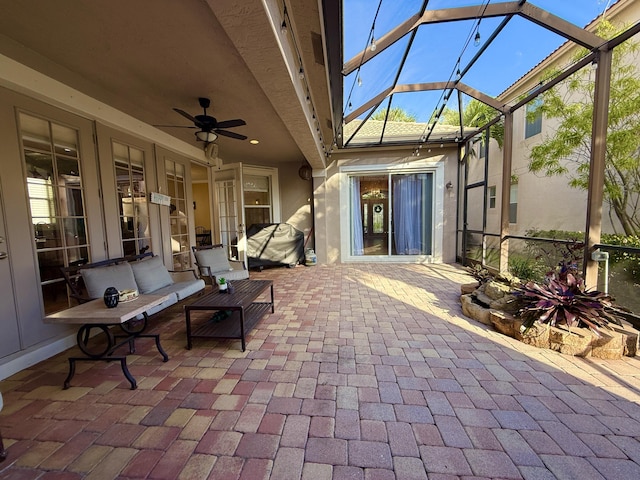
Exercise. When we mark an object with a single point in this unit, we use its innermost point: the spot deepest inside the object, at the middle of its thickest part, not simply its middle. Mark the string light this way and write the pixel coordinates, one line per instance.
(373, 45)
(283, 25)
(359, 80)
(301, 73)
(476, 40)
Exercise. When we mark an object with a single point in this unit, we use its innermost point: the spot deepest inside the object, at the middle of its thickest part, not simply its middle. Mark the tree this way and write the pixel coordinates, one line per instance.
(567, 151)
(396, 114)
(476, 114)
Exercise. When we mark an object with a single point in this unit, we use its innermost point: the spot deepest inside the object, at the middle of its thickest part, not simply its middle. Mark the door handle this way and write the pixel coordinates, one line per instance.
(3, 255)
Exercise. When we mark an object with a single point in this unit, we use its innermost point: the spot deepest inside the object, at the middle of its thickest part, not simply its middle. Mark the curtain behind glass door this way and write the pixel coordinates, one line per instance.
(412, 213)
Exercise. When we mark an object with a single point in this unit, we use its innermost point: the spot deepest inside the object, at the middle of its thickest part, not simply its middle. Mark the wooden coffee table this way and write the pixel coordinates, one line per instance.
(95, 315)
(244, 311)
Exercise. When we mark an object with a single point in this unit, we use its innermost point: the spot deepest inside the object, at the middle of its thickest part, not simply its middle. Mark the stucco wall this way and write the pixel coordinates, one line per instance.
(332, 209)
(202, 211)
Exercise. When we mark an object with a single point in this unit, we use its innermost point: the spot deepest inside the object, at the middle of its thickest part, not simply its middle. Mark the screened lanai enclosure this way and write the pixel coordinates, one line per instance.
(541, 101)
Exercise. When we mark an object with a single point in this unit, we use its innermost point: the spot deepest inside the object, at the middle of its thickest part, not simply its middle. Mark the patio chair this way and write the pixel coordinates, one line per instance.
(212, 263)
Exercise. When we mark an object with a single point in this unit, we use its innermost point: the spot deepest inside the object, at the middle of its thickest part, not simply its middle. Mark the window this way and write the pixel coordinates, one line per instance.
(533, 118)
(492, 196)
(56, 201)
(513, 203)
(257, 199)
(481, 149)
(132, 199)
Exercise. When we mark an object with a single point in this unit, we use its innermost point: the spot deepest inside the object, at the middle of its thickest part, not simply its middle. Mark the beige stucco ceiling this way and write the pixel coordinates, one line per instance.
(146, 57)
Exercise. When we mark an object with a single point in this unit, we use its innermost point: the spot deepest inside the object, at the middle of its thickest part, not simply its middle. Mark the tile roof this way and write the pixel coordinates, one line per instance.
(371, 131)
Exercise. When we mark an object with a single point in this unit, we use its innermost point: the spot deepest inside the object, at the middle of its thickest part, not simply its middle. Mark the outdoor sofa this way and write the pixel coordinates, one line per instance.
(145, 273)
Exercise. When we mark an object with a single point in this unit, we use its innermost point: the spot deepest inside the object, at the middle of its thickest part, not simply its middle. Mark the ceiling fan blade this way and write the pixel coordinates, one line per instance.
(238, 122)
(231, 134)
(185, 115)
(197, 122)
(176, 126)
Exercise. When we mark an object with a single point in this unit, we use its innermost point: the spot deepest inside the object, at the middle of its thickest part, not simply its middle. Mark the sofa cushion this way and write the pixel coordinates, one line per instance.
(151, 275)
(186, 289)
(97, 280)
(214, 258)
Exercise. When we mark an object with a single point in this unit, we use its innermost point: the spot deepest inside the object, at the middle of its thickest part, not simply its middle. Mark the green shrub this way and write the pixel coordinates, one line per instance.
(526, 268)
(628, 262)
(568, 250)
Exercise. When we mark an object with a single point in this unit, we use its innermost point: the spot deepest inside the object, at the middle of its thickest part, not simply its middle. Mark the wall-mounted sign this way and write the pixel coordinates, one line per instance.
(160, 199)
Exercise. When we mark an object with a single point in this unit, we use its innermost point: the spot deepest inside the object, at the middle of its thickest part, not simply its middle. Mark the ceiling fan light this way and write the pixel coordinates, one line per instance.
(206, 136)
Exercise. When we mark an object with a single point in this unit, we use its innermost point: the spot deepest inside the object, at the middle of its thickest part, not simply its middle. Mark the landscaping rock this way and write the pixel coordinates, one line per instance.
(481, 298)
(496, 290)
(468, 288)
(506, 304)
(576, 341)
(613, 343)
(475, 311)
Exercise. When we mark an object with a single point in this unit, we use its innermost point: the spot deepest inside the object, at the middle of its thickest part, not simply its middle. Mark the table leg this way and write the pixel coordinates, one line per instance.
(125, 370)
(273, 310)
(123, 365)
(242, 329)
(72, 372)
(3, 452)
(96, 353)
(165, 357)
(188, 320)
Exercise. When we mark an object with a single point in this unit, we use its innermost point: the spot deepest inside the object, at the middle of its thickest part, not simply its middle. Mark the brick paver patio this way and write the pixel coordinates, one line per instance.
(367, 372)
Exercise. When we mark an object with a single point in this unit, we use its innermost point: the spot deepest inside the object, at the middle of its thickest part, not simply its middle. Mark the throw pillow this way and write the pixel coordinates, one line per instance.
(97, 280)
(151, 274)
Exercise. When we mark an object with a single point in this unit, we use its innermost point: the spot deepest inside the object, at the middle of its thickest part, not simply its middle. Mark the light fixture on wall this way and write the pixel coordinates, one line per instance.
(305, 172)
(204, 136)
(449, 185)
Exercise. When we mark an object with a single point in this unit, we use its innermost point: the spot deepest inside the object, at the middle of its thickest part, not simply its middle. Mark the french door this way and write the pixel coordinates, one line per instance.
(127, 171)
(231, 229)
(176, 218)
(10, 338)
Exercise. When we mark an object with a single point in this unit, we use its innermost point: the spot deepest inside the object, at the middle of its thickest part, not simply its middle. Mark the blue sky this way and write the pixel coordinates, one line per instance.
(437, 48)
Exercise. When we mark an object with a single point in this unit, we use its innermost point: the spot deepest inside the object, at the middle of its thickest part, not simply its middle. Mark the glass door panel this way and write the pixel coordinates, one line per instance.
(231, 211)
(375, 214)
(132, 198)
(392, 214)
(412, 213)
(178, 218)
(56, 203)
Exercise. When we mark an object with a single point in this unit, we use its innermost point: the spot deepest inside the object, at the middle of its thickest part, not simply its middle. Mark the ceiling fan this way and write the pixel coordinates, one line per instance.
(209, 127)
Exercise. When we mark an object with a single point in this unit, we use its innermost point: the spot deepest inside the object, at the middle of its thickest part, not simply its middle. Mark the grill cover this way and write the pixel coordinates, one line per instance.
(274, 245)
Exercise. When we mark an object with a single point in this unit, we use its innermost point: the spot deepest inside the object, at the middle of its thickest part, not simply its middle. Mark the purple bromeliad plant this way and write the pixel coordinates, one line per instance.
(563, 299)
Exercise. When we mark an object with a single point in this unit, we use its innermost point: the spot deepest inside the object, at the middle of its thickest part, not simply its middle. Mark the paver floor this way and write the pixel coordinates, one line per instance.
(366, 371)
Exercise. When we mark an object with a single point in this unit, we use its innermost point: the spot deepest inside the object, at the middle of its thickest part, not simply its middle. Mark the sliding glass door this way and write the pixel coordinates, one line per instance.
(391, 214)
